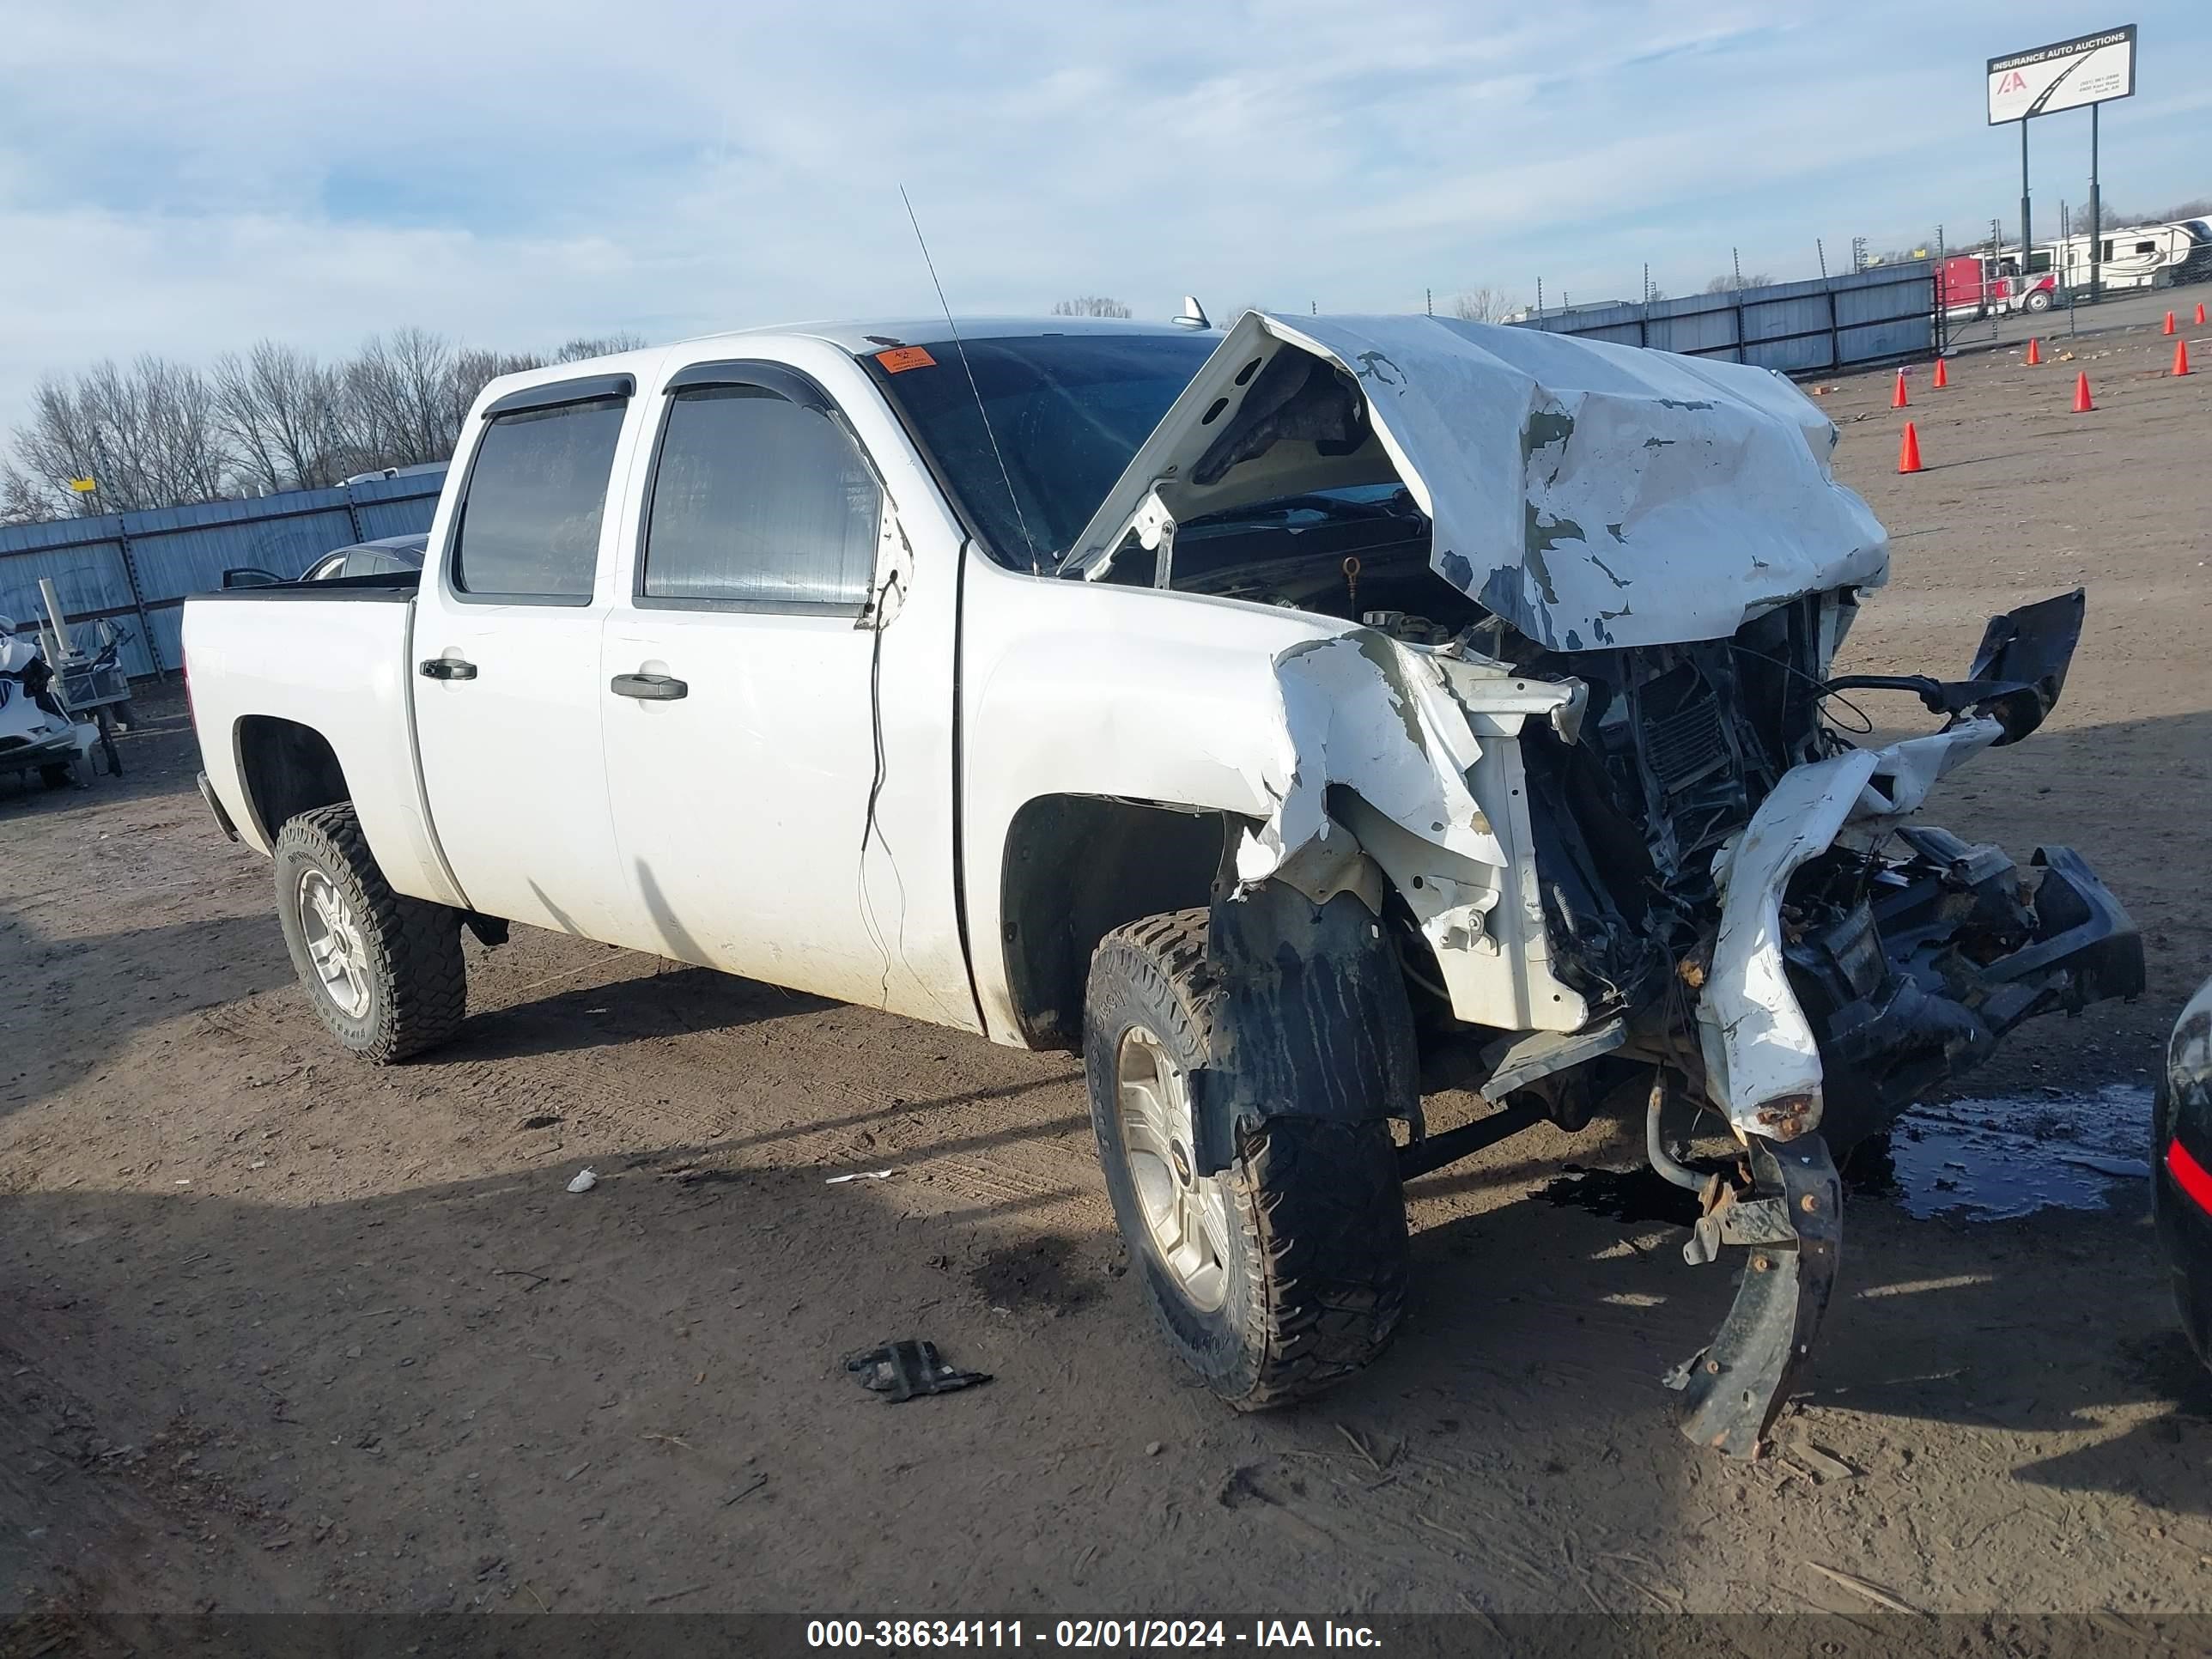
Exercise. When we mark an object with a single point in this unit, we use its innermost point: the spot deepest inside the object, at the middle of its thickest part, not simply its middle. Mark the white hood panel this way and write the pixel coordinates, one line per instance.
(1591, 494)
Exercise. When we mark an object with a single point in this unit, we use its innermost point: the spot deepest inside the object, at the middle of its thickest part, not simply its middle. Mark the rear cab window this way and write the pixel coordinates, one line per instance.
(528, 528)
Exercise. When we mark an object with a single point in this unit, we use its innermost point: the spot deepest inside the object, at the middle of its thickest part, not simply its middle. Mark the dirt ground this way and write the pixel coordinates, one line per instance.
(285, 1333)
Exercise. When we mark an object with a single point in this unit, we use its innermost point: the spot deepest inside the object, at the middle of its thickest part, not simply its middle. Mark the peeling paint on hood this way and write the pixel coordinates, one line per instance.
(1592, 495)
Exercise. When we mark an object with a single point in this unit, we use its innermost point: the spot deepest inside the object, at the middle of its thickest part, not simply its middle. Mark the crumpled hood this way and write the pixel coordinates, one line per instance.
(1592, 495)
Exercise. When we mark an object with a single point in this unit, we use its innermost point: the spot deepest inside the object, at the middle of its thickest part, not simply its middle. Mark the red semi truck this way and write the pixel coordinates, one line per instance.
(1972, 285)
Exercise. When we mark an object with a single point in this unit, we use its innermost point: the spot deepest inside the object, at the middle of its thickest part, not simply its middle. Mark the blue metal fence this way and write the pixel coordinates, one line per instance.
(136, 568)
(1811, 327)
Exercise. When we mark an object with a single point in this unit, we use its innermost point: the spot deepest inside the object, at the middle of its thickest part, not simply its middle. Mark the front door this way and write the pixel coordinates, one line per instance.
(505, 669)
(778, 735)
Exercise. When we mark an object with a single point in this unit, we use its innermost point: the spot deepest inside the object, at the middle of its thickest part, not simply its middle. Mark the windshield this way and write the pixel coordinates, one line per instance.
(1066, 411)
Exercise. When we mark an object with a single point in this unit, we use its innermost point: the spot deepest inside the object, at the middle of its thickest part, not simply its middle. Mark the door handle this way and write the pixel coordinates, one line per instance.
(653, 688)
(447, 668)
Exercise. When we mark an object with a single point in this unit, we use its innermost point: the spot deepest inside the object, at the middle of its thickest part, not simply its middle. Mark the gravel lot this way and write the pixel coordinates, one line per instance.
(288, 1333)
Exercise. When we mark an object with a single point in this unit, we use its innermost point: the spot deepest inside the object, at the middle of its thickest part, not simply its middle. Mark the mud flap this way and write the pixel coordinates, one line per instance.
(1792, 1222)
(1312, 1021)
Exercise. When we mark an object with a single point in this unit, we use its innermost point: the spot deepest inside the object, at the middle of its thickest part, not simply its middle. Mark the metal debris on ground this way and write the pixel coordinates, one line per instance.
(900, 1370)
(584, 1181)
(860, 1175)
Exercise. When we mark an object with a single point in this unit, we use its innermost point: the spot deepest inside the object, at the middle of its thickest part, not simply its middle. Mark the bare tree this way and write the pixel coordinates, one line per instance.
(473, 370)
(2107, 219)
(1090, 304)
(397, 400)
(283, 414)
(22, 499)
(1482, 305)
(604, 345)
(274, 418)
(149, 435)
(1726, 282)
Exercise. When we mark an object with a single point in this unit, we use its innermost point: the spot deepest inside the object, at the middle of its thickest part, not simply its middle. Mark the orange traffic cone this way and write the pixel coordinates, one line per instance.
(1908, 453)
(2082, 404)
(1897, 398)
(1942, 376)
(2181, 356)
(2169, 323)
(2200, 313)
(2034, 352)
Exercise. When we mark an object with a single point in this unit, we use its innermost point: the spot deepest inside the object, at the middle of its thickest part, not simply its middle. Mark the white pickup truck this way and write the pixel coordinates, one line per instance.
(1295, 721)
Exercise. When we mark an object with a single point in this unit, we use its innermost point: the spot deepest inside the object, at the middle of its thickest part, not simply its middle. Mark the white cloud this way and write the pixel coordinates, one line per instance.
(184, 178)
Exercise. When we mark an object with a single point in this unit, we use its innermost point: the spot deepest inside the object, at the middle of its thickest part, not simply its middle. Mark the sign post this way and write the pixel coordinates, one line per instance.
(2089, 70)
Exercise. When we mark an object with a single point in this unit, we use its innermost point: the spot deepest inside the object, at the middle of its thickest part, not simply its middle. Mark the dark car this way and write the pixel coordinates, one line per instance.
(2181, 1156)
(387, 556)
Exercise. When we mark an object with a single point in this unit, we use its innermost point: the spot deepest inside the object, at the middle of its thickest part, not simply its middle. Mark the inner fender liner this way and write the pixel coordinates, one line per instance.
(1313, 1019)
(1733, 1388)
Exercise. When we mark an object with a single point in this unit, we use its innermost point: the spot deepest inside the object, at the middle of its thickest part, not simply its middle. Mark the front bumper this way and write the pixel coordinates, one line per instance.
(1839, 1027)
(1860, 961)
(1916, 987)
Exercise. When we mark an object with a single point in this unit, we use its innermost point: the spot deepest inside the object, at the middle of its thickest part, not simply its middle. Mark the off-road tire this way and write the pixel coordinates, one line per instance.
(1318, 1244)
(417, 978)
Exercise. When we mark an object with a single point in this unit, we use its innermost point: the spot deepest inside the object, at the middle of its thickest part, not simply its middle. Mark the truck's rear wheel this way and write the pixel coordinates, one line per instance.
(384, 971)
(1286, 1271)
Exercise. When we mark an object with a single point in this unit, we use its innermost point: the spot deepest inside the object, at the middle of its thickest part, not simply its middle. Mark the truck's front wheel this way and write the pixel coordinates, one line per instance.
(384, 971)
(1286, 1271)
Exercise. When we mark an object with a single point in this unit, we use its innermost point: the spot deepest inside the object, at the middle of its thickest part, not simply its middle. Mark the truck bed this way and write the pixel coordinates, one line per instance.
(396, 585)
(333, 670)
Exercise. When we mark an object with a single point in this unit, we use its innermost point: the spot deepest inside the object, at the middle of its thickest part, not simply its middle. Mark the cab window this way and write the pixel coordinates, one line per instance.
(761, 502)
(528, 529)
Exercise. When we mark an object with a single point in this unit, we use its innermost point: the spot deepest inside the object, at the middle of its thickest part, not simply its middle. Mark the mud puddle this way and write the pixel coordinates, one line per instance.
(1992, 1159)
(1983, 1159)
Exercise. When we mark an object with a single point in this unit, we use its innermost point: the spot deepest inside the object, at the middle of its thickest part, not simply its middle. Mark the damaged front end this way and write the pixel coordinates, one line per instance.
(1571, 751)
(1715, 851)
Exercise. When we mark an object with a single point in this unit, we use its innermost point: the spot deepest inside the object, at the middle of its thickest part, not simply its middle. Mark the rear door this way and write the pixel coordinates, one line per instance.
(506, 669)
(777, 679)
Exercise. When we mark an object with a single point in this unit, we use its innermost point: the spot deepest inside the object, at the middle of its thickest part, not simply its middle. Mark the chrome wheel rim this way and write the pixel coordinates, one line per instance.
(1185, 1215)
(335, 946)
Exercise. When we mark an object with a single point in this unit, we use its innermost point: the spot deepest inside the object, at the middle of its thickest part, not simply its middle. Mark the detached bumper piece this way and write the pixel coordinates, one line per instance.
(1790, 1219)
(1953, 948)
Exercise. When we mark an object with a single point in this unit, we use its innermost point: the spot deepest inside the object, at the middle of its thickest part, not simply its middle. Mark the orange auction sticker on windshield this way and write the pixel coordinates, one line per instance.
(899, 359)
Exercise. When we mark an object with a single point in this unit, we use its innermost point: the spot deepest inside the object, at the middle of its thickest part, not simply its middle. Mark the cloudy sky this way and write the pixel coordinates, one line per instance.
(186, 176)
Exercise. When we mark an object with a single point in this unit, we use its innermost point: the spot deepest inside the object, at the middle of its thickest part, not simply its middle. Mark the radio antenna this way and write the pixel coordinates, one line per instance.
(982, 413)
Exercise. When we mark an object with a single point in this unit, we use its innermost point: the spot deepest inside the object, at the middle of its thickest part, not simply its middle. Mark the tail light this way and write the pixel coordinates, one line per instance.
(2189, 1174)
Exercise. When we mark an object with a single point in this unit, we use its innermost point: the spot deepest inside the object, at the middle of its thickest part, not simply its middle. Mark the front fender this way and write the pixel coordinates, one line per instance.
(1346, 757)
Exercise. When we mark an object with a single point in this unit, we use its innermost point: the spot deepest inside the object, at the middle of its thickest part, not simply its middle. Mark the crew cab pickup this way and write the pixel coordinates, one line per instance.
(1296, 721)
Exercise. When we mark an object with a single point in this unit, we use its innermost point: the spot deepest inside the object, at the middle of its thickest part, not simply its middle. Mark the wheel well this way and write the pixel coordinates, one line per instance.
(1078, 866)
(288, 768)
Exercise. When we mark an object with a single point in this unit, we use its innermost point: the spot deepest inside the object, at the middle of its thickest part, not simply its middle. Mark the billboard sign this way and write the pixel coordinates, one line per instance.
(2086, 69)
